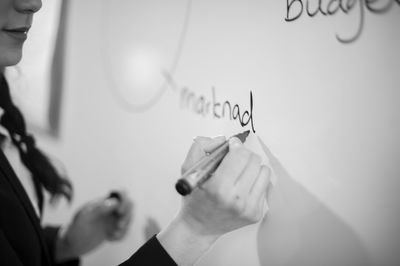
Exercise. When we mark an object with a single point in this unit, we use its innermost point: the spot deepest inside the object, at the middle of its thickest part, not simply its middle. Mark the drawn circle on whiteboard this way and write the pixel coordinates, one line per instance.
(142, 40)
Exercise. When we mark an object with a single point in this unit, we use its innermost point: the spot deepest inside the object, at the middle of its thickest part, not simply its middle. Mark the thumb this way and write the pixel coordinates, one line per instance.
(200, 147)
(208, 145)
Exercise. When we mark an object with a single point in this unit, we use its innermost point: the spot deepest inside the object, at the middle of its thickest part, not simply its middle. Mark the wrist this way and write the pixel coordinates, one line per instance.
(185, 241)
(63, 248)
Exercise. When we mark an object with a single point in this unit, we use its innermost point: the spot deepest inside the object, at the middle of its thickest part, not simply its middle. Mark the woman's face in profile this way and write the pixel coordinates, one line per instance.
(15, 21)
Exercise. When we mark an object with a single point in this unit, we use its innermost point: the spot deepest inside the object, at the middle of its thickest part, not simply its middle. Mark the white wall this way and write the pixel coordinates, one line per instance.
(328, 111)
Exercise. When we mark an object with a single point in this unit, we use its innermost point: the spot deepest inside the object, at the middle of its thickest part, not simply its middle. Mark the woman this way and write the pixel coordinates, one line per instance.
(25, 172)
(233, 198)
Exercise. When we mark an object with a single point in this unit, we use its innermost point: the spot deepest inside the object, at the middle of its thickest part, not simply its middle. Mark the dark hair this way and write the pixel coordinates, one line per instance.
(43, 172)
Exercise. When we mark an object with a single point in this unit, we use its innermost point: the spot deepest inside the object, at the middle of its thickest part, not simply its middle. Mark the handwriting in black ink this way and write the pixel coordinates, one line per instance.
(295, 9)
(204, 106)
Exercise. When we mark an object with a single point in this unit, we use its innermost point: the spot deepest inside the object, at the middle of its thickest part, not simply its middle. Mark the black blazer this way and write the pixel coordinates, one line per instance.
(151, 253)
(23, 242)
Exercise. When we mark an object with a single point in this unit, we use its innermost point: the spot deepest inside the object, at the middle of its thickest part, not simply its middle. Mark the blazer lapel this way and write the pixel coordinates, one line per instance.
(16, 185)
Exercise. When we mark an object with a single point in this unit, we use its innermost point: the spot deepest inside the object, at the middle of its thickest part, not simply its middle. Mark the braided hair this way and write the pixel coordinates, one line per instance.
(43, 172)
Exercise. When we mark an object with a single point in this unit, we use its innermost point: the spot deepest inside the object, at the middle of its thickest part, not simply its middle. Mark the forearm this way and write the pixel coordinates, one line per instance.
(184, 242)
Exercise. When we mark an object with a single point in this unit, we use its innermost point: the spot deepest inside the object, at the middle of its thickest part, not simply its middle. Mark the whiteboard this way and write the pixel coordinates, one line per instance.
(322, 91)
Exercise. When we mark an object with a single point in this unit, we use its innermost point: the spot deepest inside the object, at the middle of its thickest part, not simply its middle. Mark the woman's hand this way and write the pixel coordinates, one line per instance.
(232, 198)
(96, 222)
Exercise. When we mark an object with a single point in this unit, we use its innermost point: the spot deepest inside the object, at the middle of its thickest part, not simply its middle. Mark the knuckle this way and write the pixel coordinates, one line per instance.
(252, 212)
(253, 215)
(256, 217)
(238, 204)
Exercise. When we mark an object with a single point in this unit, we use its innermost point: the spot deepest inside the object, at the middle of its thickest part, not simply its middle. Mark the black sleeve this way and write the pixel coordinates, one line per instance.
(8, 256)
(50, 235)
(151, 253)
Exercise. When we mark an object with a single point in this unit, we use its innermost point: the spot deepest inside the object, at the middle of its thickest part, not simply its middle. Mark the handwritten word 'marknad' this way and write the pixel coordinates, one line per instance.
(332, 7)
(199, 104)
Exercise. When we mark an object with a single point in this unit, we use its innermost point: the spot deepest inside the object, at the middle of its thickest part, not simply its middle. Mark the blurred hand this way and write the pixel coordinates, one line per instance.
(96, 222)
(232, 198)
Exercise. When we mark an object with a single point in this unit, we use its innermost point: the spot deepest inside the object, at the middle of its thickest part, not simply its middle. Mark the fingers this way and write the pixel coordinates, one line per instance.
(245, 181)
(233, 197)
(230, 169)
(120, 230)
(124, 208)
(200, 147)
(195, 153)
(123, 214)
(260, 186)
(240, 183)
(116, 213)
(208, 145)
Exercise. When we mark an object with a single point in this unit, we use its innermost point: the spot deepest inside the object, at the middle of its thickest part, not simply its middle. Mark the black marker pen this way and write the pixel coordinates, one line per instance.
(201, 171)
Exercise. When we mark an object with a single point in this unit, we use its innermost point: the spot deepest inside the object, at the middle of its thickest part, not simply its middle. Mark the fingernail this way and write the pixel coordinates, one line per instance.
(234, 142)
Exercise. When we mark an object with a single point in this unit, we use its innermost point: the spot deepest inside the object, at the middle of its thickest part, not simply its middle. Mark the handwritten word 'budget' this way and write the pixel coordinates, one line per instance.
(201, 105)
(295, 9)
